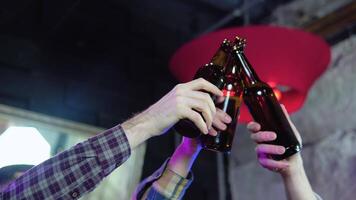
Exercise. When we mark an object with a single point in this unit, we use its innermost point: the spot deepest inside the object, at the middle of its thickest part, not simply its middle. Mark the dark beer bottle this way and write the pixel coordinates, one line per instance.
(232, 91)
(263, 104)
(214, 73)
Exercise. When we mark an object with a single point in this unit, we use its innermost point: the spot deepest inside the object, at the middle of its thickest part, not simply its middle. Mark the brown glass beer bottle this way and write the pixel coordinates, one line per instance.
(232, 91)
(263, 104)
(214, 73)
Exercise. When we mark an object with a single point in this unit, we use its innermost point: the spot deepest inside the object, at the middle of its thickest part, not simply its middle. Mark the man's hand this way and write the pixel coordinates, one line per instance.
(186, 153)
(220, 121)
(186, 100)
(286, 166)
(191, 146)
(184, 156)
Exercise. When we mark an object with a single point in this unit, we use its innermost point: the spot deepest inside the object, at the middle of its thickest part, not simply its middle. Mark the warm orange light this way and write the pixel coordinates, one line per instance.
(276, 91)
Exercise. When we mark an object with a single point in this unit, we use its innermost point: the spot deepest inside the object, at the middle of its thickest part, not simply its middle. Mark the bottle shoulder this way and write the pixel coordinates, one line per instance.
(209, 71)
(260, 87)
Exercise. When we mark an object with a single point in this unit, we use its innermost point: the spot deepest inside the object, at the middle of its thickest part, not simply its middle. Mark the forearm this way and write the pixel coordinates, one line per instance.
(139, 128)
(176, 179)
(296, 182)
(182, 160)
(164, 184)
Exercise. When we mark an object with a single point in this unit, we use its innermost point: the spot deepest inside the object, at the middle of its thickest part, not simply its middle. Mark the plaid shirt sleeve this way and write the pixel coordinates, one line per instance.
(73, 172)
(174, 187)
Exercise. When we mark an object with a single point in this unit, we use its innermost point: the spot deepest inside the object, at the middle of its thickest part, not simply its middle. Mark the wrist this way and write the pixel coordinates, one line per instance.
(295, 168)
(137, 129)
(188, 150)
(182, 160)
(296, 181)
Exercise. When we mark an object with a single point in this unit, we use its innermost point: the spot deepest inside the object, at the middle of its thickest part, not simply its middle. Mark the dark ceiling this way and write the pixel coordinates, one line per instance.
(97, 62)
(108, 57)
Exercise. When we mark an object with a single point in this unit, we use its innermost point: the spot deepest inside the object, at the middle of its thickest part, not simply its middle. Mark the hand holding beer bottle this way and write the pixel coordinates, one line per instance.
(223, 73)
(264, 151)
(291, 169)
(264, 106)
(232, 92)
(214, 73)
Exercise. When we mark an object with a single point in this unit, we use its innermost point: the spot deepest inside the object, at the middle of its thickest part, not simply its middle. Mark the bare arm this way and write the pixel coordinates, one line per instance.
(186, 153)
(295, 181)
(183, 101)
(170, 182)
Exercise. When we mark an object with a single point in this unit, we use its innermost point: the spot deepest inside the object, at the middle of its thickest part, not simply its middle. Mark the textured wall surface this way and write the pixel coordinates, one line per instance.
(300, 12)
(327, 123)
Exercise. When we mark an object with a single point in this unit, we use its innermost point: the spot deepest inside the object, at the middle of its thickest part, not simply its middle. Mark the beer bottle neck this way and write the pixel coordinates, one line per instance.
(248, 76)
(220, 58)
(231, 69)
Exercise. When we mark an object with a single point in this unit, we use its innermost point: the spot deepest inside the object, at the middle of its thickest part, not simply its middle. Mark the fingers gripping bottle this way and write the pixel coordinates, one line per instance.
(214, 73)
(232, 91)
(263, 104)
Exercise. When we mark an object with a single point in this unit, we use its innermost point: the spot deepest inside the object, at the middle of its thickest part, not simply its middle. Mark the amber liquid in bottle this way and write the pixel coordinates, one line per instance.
(214, 72)
(223, 141)
(264, 106)
(232, 91)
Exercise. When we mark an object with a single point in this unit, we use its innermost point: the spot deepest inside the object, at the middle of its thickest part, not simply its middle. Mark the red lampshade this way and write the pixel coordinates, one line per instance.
(290, 60)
